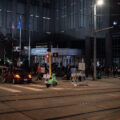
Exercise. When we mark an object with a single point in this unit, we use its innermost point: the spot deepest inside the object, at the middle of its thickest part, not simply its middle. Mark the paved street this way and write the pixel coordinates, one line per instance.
(92, 100)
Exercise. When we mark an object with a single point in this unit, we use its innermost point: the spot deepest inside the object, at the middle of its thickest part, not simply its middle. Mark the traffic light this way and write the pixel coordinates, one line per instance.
(47, 56)
(55, 54)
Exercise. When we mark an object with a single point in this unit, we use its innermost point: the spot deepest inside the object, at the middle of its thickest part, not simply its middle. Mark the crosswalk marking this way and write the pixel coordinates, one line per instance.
(34, 85)
(29, 88)
(10, 89)
(57, 88)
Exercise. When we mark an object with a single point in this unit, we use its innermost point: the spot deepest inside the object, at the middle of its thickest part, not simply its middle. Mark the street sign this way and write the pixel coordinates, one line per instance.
(81, 66)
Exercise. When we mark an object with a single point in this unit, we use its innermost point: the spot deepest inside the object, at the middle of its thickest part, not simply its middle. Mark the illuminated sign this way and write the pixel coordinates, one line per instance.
(39, 51)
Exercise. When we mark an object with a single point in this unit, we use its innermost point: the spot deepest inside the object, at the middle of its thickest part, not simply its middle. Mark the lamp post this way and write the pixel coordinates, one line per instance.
(97, 2)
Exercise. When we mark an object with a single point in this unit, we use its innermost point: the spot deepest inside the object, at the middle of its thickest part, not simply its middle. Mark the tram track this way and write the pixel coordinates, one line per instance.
(72, 99)
(84, 113)
(40, 96)
(64, 106)
(85, 103)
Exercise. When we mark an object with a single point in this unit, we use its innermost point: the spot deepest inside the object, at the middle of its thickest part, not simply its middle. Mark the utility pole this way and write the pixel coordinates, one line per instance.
(19, 27)
(94, 50)
(20, 37)
(96, 2)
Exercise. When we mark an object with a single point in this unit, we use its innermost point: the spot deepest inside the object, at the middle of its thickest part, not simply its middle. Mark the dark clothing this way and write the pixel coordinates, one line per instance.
(68, 72)
(86, 71)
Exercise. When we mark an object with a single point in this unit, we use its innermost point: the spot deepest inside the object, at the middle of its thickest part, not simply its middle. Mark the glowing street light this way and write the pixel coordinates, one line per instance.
(99, 2)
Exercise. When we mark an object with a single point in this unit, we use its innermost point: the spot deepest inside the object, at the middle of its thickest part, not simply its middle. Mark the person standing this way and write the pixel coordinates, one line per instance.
(68, 72)
(86, 70)
(38, 72)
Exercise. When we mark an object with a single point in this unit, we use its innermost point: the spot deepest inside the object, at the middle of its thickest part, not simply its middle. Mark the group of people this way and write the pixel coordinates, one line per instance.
(72, 69)
(106, 70)
(41, 70)
(101, 71)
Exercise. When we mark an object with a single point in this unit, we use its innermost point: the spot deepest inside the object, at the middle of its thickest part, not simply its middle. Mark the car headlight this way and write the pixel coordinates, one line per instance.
(17, 76)
(29, 76)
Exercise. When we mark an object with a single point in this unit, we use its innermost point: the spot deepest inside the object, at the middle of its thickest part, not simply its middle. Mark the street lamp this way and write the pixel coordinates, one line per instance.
(97, 2)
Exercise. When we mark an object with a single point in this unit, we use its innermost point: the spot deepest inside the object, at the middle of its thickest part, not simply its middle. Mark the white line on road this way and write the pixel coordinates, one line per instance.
(29, 88)
(57, 88)
(10, 90)
(34, 85)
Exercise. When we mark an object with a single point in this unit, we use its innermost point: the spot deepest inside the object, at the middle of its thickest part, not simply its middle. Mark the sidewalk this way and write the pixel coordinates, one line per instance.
(88, 83)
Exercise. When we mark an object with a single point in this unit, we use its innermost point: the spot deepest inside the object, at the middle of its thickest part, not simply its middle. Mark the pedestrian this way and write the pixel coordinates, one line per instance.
(38, 72)
(68, 72)
(46, 68)
(86, 70)
(114, 71)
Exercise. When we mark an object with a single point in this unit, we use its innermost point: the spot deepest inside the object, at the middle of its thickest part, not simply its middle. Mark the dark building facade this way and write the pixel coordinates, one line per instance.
(67, 23)
(115, 33)
(75, 18)
(35, 16)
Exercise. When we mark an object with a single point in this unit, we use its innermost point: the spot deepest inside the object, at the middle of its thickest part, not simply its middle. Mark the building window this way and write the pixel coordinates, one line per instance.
(116, 46)
(0, 18)
(1, 4)
(82, 13)
(9, 20)
(34, 17)
(35, 24)
(31, 23)
(20, 8)
(9, 5)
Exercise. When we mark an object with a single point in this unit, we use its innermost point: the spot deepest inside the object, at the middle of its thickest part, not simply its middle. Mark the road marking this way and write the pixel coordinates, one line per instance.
(10, 89)
(112, 95)
(57, 88)
(29, 88)
(34, 85)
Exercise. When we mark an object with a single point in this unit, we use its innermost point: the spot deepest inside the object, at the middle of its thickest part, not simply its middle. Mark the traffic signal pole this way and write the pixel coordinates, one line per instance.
(96, 31)
(49, 57)
(50, 71)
